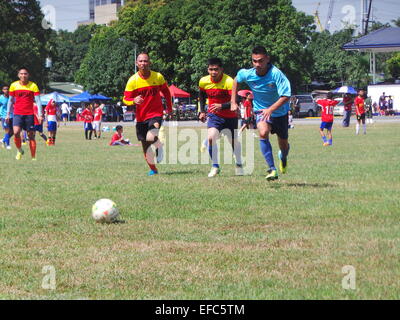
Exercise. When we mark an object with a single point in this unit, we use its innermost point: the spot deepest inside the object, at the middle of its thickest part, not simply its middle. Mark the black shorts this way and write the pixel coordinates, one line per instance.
(279, 125)
(361, 116)
(221, 124)
(143, 127)
(26, 122)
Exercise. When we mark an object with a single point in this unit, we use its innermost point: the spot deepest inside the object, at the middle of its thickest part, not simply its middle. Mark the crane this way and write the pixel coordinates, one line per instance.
(316, 17)
(329, 17)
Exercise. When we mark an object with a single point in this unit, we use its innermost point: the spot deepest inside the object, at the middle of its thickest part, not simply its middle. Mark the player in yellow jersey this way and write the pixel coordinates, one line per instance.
(143, 92)
(217, 87)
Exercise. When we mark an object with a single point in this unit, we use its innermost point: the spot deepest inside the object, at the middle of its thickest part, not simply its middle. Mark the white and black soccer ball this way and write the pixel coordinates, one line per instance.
(105, 210)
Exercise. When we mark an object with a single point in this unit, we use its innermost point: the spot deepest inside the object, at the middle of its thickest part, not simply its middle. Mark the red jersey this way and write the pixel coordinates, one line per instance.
(218, 92)
(116, 136)
(327, 109)
(149, 89)
(24, 97)
(98, 113)
(248, 108)
(35, 115)
(359, 103)
(348, 103)
(87, 116)
(51, 111)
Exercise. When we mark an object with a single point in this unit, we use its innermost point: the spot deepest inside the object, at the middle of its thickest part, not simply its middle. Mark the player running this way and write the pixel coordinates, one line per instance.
(23, 94)
(217, 88)
(6, 124)
(327, 118)
(360, 111)
(143, 91)
(51, 112)
(271, 91)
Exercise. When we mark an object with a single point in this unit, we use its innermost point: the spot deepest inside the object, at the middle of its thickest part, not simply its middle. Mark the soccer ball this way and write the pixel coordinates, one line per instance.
(105, 210)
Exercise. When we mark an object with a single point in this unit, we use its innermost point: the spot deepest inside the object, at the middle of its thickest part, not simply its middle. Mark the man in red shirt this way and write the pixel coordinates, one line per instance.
(327, 118)
(23, 94)
(360, 111)
(143, 91)
(348, 104)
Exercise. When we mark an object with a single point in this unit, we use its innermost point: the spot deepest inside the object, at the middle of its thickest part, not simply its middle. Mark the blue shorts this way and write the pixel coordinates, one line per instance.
(39, 128)
(26, 122)
(326, 125)
(64, 116)
(88, 126)
(279, 125)
(7, 124)
(220, 123)
(51, 126)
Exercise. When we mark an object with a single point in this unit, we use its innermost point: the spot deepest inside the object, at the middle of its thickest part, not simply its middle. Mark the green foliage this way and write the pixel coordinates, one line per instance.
(334, 65)
(182, 34)
(108, 63)
(68, 51)
(393, 65)
(23, 40)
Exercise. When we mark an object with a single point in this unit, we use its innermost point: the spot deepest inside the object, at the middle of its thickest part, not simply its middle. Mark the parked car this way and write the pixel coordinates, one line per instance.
(306, 106)
(338, 110)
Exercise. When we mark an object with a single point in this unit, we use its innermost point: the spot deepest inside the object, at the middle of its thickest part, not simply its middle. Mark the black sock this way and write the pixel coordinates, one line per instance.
(90, 134)
(86, 134)
(43, 136)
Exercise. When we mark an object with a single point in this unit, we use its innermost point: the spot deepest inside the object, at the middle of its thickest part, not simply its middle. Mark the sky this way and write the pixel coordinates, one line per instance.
(68, 13)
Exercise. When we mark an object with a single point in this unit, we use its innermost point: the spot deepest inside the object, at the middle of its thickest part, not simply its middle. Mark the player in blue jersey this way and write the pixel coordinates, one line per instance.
(271, 91)
(6, 124)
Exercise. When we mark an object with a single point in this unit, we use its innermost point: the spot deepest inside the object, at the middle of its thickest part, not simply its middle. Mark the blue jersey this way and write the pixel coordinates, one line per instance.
(3, 107)
(267, 89)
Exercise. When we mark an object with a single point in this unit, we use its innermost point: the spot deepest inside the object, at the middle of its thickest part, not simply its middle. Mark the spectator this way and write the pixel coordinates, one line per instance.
(65, 111)
(368, 109)
(348, 104)
(390, 106)
(382, 104)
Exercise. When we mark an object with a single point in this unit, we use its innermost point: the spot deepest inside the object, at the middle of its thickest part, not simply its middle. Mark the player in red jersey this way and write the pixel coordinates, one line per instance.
(23, 94)
(217, 87)
(327, 118)
(143, 91)
(98, 114)
(51, 113)
(118, 139)
(38, 124)
(360, 111)
(87, 116)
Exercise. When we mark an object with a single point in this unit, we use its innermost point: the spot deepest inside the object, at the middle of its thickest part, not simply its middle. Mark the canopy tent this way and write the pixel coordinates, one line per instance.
(57, 97)
(345, 89)
(86, 97)
(178, 93)
(381, 40)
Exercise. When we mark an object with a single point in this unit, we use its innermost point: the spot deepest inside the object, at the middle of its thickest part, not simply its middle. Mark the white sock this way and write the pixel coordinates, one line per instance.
(357, 128)
(365, 128)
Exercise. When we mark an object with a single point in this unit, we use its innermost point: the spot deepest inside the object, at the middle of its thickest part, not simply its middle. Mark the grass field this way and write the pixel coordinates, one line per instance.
(186, 236)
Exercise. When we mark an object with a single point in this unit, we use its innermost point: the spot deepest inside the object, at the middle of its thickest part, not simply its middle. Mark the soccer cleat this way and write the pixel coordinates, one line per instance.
(160, 154)
(326, 144)
(24, 143)
(152, 172)
(19, 155)
(213, 172)
(272, 175)
(283, 169)
(8, 147)
(239, 171)
(203, 147)
(33, 159)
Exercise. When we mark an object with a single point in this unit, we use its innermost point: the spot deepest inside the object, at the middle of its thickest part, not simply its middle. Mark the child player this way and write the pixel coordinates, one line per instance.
(327, 118)
(360, 111)
(51, 112)
(118, 139)
(38, 124)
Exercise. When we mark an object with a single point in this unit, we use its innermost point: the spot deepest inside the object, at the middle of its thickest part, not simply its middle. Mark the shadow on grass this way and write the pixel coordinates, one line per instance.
(279, 184)
(171, 173)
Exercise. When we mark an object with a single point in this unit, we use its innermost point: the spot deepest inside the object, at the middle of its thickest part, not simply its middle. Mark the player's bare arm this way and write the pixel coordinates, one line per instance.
(234, 105)
(279, 103)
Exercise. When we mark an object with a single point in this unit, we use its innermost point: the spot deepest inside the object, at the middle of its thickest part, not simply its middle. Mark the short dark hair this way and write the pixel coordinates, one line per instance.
(329, 95)
(23, 68)
(5, 86)
(260, 50)
(215, 62)
(118, 127)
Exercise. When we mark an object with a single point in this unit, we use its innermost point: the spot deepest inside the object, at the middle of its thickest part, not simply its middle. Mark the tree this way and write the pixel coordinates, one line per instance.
(335, 66)
(393, 66)
(69, 50)
(23, 40)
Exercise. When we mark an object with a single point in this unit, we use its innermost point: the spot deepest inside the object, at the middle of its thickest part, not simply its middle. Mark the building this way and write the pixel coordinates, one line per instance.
(102, 11)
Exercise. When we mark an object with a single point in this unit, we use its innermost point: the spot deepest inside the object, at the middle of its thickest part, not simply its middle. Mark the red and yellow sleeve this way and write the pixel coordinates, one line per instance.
(128, 93)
